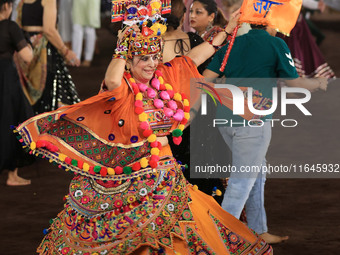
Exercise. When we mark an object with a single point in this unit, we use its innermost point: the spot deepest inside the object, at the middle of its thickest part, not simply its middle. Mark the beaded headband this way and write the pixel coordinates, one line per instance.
(146, 15)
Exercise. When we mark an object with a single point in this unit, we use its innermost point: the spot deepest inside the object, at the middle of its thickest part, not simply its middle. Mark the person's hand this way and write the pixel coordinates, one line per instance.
(233, 21)
(122, 34)
(322, 6)
(71, 58)
(323, 82)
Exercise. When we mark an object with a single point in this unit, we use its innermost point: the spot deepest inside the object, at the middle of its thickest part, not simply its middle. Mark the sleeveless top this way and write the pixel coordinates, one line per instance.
(32, 14)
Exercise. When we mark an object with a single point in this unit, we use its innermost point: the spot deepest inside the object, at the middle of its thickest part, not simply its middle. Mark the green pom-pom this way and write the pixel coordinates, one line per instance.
(177, 132)
(96, 169)
(74, 162)
(127, 170)
(190, 243)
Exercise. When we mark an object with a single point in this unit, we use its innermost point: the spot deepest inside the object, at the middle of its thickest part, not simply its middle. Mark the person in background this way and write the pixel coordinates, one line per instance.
(14, 107)
(86, 18)
(206, 18)
(46, 81)
(267, 57)
(65, 24)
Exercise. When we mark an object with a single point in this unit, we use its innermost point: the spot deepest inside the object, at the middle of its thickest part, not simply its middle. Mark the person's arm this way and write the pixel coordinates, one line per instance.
(114, 73)
(312, 84)
(26, 54)
(52, 34)
(202, 52)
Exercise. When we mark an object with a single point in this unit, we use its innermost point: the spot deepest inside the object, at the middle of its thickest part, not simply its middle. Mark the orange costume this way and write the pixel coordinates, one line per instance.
(116, 207)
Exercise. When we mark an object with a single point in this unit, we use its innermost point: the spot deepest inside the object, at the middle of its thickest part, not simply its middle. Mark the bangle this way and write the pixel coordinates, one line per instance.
(119, 56)
(67, 50)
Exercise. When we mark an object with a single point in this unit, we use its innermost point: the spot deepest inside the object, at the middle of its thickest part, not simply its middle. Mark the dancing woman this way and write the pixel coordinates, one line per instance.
(129, 195)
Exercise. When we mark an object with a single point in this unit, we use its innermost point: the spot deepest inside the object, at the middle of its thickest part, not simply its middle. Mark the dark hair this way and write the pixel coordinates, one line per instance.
(254, 26)
(209, 5)
(2, 2)
(219, 19)
(177, 12)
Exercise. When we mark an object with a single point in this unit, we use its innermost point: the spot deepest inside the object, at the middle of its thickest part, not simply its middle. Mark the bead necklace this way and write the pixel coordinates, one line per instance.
(167, 102)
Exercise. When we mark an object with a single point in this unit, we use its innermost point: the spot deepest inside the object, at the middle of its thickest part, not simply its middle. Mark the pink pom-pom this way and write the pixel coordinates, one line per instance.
(142, 87)
(41, 143)
(139, 103)
(151, 93)
(158, 103)
(158, 73)
(172, 105)
(168, 112)
(155, 83)
(179, 115)
(164, 95)
(144, 125)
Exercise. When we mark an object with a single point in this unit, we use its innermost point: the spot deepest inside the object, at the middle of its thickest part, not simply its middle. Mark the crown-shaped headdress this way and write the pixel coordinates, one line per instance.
(146, 15)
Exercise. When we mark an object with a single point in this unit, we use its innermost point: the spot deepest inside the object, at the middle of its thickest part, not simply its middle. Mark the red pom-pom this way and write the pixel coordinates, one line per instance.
(186, 108)
(136, 166)
(147, 132)
(153, 164)
(139, 103)
(184, 121)
(162, 87)
(128, 75)
(135, 90)
(158, 73)
(183, 96)
(171, 93)
(144, 125)
(154, 158)
(103, 171)
(118, 170)
(154, 144)
(92, 170)
(139, 110)
(159, 146)
(41, 143)
(68, 160)
(177, 140)
(80, 164)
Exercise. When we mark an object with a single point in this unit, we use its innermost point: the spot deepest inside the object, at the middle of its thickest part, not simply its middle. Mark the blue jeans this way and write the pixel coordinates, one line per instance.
(249, 146)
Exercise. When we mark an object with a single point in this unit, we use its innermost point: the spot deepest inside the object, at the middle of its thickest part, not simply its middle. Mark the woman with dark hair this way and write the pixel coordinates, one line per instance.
(206, 18)
(46, 80)
(14, 107)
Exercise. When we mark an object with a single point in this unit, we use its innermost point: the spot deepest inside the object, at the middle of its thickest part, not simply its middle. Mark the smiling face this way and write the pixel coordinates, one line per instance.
(143, 67)
(199, 17)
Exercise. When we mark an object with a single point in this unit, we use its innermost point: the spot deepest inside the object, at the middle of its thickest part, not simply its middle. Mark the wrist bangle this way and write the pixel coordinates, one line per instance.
(119, 56)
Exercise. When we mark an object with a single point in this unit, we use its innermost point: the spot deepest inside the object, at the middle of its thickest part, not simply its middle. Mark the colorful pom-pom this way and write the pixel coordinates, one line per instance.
(96, 169)
(127, 170)
(144, 162)
(118, 170)
(143, 116)
(177, 132)
(139, 103)
(110, 171)
(139, 96)
(158, 103)
(147, 132)
(152, 138)
(155, 83)
(136, 166)
(86, 167)
(33, 146)
(178, 97)
(103, 171)
(154, 151)
(177, 140)
(144, 125)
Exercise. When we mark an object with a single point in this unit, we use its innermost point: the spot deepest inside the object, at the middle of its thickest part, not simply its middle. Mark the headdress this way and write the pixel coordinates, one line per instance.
(146, 15)
(278, 14)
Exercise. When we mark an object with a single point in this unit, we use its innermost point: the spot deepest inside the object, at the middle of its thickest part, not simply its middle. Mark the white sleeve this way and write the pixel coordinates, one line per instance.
(310, 4)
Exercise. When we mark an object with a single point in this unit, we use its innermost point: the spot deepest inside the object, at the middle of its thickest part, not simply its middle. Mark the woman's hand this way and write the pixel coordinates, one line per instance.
(233, 21)
(71, 58)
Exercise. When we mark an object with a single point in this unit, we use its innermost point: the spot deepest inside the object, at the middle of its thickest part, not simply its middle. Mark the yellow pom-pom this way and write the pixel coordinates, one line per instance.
(50, 160)
(181, 127)
(186, 102)
(139, 96)
(143, 116)
(154, 151)
(62, 157)
(33, 146)
(152, 138)
(195, 187)
(178, 97)
(110, 171)
(187, 115)
(86, 167)
(144, 162)
(132, 80)
(168, 86)
(161, 80)
(218, 192)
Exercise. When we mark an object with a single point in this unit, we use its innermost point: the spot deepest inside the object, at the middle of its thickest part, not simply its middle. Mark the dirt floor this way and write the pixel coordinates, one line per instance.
(304, 208)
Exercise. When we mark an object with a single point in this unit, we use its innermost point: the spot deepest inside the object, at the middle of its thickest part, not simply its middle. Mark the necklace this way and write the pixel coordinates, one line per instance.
(167, 101)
